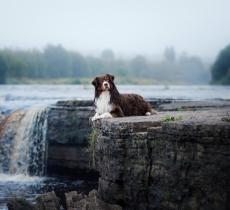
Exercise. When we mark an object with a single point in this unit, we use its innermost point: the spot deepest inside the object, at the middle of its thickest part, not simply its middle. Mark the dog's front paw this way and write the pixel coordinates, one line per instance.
(95, 117)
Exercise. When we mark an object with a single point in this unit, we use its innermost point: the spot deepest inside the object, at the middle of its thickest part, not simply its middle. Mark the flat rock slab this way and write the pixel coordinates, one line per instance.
(213, 116)
(177, 105)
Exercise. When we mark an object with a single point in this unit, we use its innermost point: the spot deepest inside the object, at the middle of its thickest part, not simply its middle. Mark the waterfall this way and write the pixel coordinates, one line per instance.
(23, 142)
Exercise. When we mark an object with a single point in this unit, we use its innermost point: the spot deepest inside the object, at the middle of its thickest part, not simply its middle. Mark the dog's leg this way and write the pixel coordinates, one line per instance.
(117, 112)
(95, 117)
(102, 116)
(153, 112)
(105, 115)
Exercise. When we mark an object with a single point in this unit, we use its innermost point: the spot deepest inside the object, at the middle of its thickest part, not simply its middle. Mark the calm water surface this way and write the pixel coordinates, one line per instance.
(17, 96)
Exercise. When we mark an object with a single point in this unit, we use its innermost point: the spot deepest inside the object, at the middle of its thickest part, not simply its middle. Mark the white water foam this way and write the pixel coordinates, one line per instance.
(24, 148)
(29, 143)
(20, 178)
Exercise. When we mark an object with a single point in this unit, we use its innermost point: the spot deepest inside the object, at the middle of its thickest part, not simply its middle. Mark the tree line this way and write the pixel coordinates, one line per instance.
(54, 62)
(221, 67)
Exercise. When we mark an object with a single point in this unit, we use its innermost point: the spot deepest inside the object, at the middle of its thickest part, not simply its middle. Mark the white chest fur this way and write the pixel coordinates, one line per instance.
(103, 103)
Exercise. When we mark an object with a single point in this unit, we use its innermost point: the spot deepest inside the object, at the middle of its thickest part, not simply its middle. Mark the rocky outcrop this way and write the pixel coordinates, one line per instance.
(47, 201)
(67, 136)
(78, 201)
(73, 201)
(68, 130)
(20, 204)
(174, 160)
(183, 105)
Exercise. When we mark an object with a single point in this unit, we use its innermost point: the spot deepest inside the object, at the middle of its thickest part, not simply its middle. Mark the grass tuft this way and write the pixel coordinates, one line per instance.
(169, 118)
(92, 145)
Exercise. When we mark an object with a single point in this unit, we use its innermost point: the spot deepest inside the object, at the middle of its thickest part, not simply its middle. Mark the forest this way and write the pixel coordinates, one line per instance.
(221, 68)
(55, 64)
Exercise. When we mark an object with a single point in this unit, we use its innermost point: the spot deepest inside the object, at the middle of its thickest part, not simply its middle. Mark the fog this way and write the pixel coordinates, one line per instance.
(128, 27)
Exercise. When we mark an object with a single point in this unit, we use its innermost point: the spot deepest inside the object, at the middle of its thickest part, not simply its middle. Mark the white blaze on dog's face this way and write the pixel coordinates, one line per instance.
(103, 83)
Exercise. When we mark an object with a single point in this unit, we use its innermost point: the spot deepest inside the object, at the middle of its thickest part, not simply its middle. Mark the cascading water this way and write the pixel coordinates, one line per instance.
(23, 142)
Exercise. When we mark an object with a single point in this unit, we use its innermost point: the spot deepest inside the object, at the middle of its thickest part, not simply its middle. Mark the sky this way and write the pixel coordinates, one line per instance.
(128, 27)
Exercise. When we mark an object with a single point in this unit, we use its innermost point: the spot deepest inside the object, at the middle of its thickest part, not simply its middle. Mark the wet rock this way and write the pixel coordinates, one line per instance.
(8, 131)
(183, 105)
(48, 201)
(75, 201)
(2, 117)
(20, 204)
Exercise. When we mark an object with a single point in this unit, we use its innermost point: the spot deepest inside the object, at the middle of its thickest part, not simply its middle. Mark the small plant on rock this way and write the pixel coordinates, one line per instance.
(92, 145)
(168, 118)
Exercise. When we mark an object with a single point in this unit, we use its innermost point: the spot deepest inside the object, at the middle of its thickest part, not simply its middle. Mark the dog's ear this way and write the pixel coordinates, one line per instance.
(95, 82)
(110, 76)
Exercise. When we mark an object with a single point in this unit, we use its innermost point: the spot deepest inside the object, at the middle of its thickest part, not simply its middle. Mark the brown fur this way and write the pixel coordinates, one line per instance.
(122, 104)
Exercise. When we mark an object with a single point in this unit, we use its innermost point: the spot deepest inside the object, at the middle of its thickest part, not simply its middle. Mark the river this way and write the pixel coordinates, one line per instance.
(14, 97)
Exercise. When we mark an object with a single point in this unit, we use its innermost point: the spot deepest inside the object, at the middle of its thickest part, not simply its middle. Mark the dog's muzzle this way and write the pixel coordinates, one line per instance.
(106, 85)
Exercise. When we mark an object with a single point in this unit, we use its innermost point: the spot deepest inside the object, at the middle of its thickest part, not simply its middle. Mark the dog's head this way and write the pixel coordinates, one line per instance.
(103, 83)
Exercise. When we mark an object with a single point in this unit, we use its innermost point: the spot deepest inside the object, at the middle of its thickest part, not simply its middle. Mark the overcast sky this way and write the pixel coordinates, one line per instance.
(200, 27)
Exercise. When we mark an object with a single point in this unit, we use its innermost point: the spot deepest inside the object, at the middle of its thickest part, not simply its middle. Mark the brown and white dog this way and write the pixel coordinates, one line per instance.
(110, 103)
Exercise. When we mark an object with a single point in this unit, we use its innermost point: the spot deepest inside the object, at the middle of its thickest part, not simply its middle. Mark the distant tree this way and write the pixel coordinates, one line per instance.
(57, 61)
(3, 69)
(170, 54)
(191, 70)
(107, 55)
(79, 65)
(221, 68)
(139, 66)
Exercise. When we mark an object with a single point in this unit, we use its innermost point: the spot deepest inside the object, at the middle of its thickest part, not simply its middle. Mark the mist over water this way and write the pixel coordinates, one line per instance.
(141, 42)
(128, 27)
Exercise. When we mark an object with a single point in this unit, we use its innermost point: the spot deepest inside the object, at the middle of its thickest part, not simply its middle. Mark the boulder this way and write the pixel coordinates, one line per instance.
(48, 201)
(76, 201)
(20, 204)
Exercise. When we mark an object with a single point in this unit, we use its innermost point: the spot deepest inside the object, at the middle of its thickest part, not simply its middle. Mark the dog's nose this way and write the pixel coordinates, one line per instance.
(106, 84)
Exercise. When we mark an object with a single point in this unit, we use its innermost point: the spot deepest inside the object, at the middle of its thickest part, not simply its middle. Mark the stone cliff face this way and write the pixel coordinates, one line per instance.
(158, 162)
(178, 159)
(67, 136)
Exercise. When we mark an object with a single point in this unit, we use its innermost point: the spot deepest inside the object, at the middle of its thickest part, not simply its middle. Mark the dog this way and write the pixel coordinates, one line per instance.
(110, 103)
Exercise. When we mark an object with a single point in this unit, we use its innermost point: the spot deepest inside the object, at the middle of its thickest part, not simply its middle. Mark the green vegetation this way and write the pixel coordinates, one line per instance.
(3, 69)
(221, 68)
(92, 144)
(168, 118)
(56, 65)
